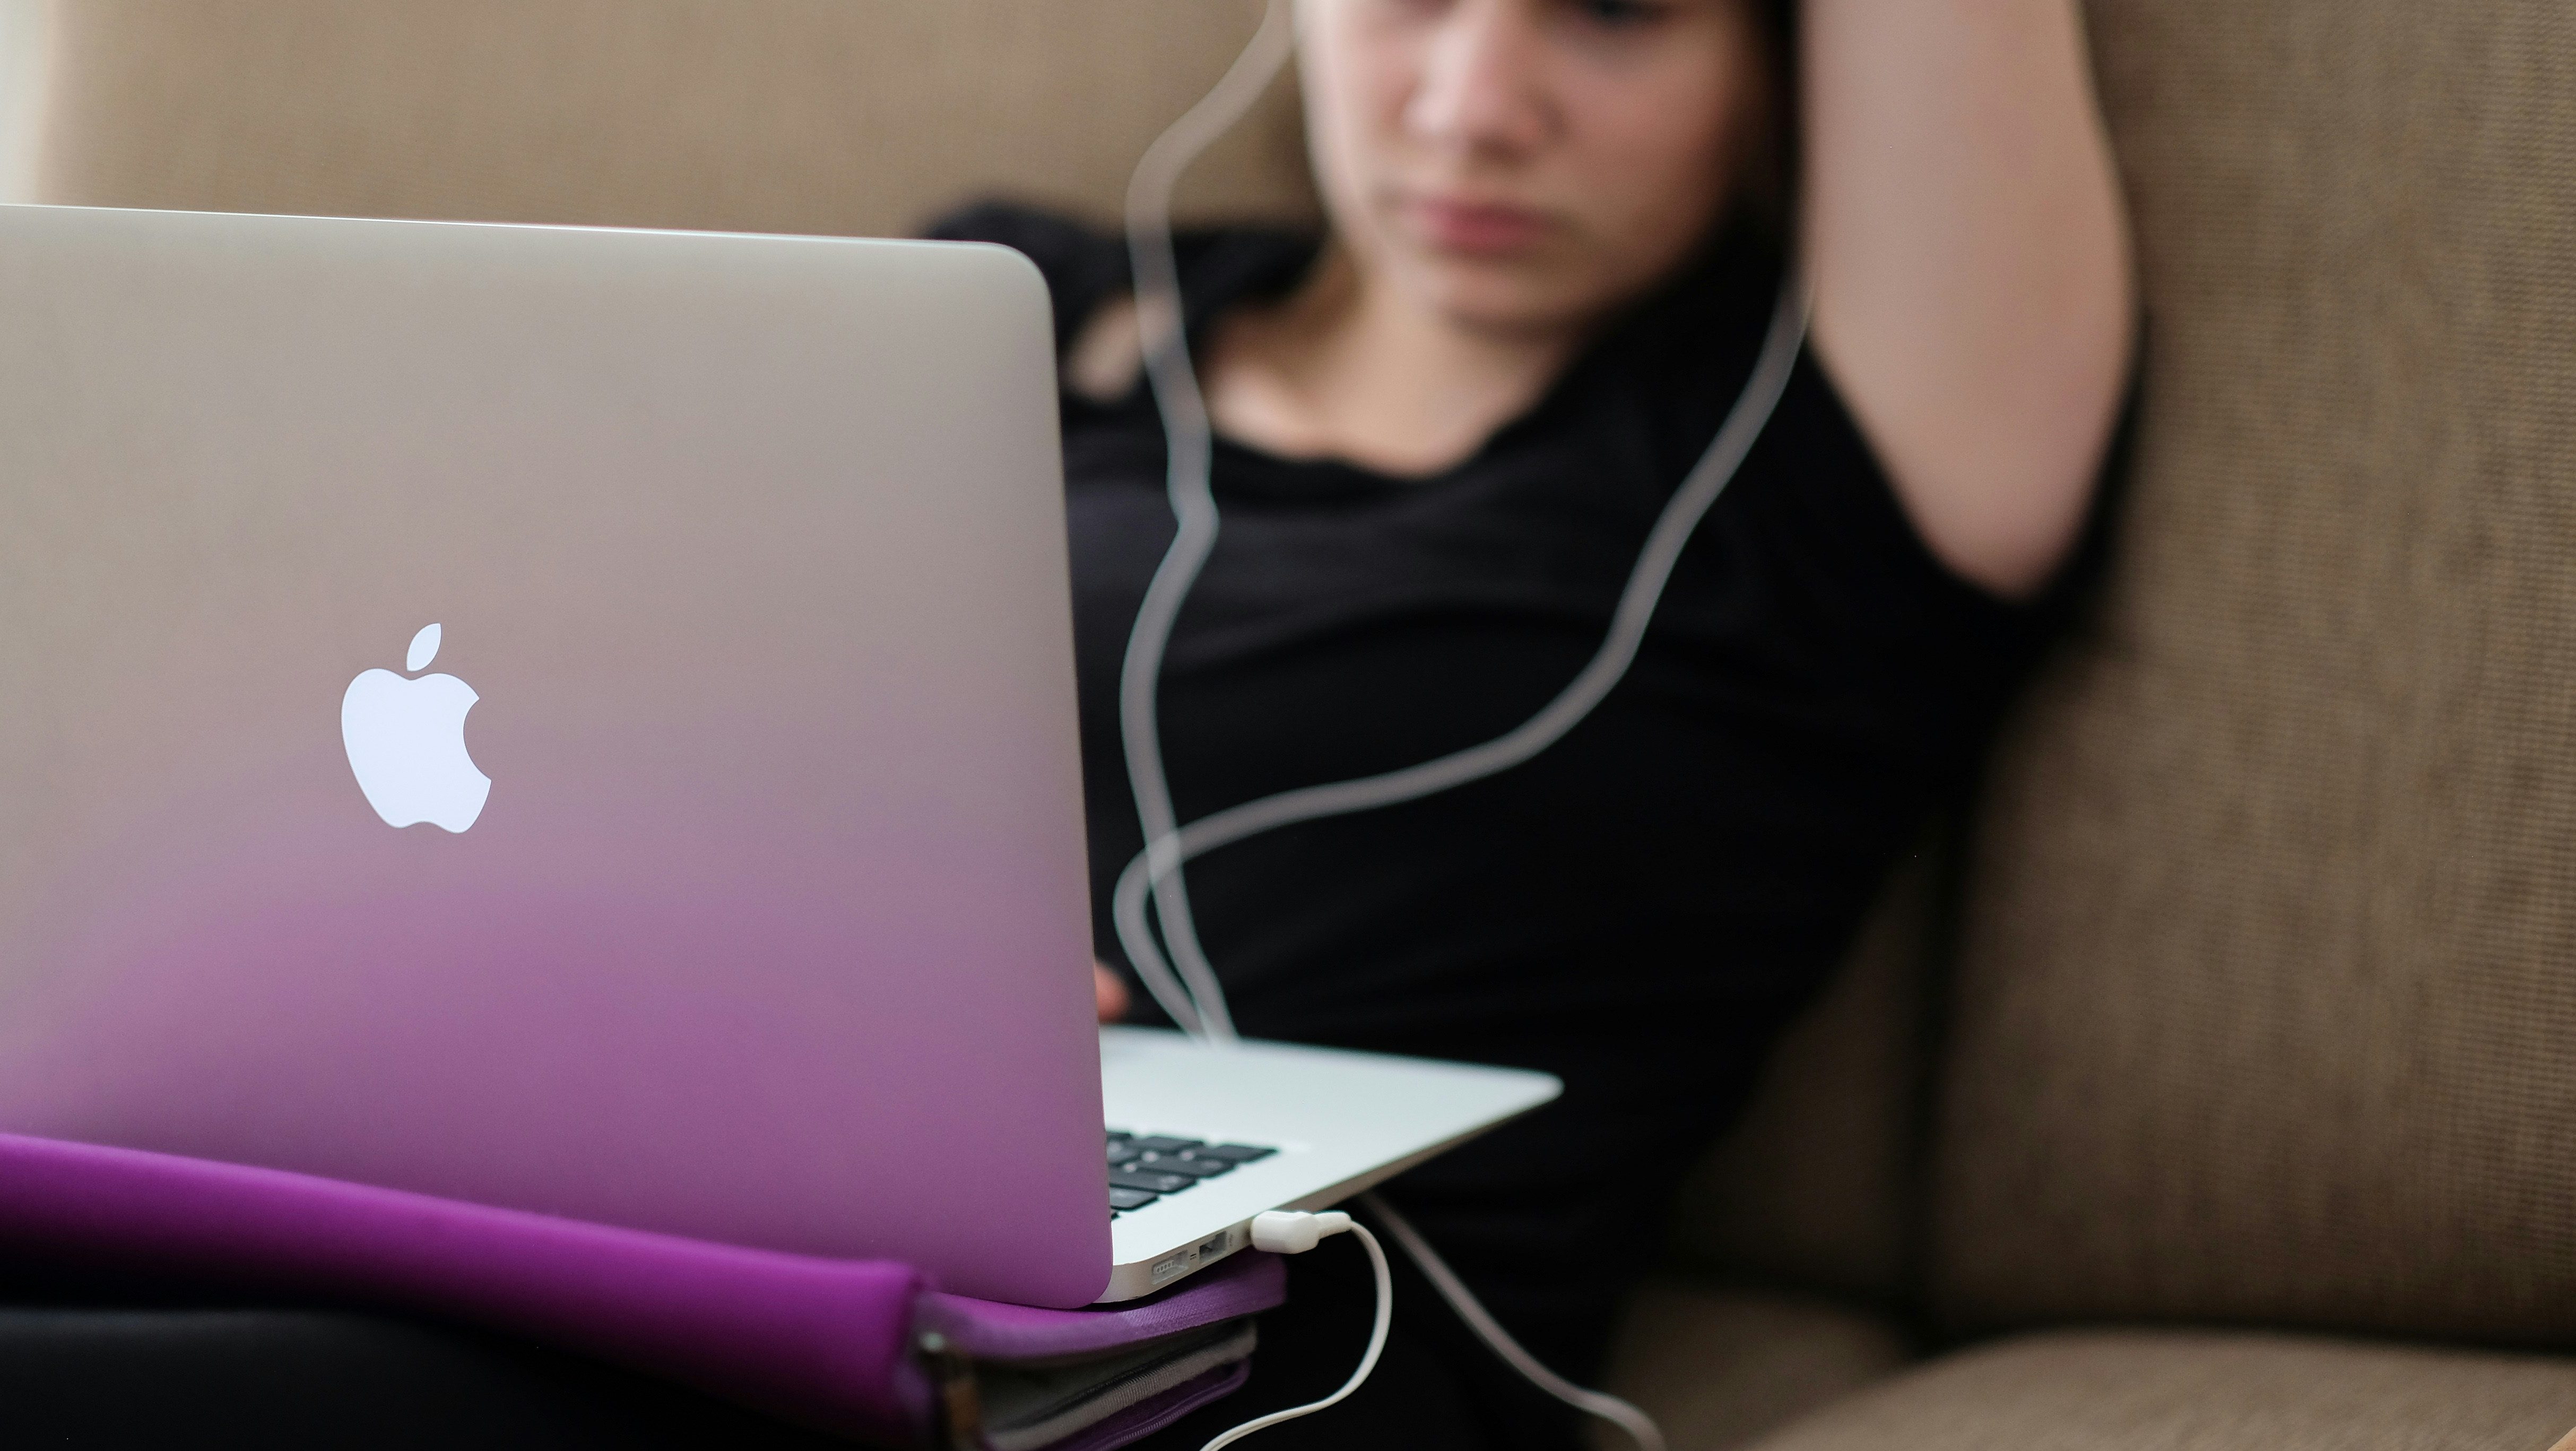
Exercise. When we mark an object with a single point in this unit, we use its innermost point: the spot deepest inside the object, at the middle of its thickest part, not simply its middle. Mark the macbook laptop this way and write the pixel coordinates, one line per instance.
(584, 721)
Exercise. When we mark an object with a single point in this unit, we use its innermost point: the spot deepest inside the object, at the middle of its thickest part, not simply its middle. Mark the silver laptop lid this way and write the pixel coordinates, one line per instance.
(746, 562)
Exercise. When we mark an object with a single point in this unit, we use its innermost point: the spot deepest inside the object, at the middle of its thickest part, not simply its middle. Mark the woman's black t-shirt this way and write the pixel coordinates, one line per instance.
(1638, 909)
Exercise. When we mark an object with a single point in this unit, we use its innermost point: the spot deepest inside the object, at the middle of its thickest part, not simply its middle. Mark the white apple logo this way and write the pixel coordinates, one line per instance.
(406, 741)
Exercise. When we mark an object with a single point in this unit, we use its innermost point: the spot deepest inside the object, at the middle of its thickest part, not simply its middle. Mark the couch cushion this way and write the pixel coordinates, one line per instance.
(754, 115)
(1717, 1367)
(2267, 1001)
(2145, 1391)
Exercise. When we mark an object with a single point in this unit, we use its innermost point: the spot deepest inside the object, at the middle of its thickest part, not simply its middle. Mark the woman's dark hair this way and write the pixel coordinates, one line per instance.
(1767, 169)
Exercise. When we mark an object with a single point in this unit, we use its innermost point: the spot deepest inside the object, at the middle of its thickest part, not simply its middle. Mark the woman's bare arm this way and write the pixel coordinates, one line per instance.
(1974, 300)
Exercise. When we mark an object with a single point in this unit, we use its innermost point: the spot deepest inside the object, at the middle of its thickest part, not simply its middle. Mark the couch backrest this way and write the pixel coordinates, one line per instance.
(2267, 1006)
(854, 117)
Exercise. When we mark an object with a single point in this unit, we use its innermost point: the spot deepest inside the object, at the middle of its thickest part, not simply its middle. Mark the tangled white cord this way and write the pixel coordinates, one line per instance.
(1303, 1230)
(1183, 982)
(1195, 1002)
(1641, 1428)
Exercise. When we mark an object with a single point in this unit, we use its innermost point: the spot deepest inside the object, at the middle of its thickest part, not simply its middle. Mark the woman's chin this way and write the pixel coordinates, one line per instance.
(1505, 301)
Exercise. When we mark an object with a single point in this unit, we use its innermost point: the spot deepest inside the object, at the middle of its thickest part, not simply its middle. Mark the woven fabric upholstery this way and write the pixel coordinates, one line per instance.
(831, 116)
(1718, 1367)
(2142, 1391)
(2267, 1007)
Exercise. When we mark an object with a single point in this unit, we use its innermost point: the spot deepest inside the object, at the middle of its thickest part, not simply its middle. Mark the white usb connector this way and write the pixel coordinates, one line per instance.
(1293, 1232)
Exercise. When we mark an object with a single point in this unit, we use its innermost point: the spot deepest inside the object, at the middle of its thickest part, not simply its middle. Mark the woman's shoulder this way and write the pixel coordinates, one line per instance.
(1086, 265)
(1083, 265)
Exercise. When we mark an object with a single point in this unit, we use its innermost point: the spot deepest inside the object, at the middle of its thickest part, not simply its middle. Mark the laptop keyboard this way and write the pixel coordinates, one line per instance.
(1145, 1167)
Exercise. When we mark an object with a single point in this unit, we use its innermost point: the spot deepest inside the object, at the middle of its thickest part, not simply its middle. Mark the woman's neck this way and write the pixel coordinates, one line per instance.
(1346, 367)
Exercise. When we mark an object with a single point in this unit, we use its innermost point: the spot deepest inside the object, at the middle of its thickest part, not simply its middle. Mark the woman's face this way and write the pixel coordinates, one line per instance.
(1525, 165)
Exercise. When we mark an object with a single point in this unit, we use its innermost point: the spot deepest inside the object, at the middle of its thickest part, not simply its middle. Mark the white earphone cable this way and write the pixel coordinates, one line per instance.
(1195, 1001)
(1641, 1428)
(1385, 1279)
(1185, 983)
(1158, 868)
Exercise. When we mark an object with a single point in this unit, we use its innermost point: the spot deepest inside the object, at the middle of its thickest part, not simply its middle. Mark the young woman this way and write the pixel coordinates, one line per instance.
(1556, 230)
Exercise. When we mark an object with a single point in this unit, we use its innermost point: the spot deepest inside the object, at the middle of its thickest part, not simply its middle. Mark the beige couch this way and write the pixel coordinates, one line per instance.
(2212, 1084)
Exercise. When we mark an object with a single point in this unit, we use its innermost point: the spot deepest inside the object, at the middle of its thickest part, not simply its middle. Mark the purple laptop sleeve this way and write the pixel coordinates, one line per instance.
(825, 1342)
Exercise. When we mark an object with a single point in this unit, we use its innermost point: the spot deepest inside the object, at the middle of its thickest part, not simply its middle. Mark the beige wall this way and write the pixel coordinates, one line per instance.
(836, 116)
(22, 71)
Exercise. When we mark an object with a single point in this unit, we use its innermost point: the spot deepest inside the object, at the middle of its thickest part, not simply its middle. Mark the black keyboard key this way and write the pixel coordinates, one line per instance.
(1149, 1181)
(1162, 1145)
(1168, 1156)
(1195, 1167)
(1129, 1198)
(1232, 1153)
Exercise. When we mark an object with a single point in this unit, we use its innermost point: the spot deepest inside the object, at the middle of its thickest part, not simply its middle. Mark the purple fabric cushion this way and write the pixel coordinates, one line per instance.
(820, 1341)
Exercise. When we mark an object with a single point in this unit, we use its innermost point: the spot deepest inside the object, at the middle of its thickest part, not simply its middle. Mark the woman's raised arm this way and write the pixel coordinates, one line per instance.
(1974, 300)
